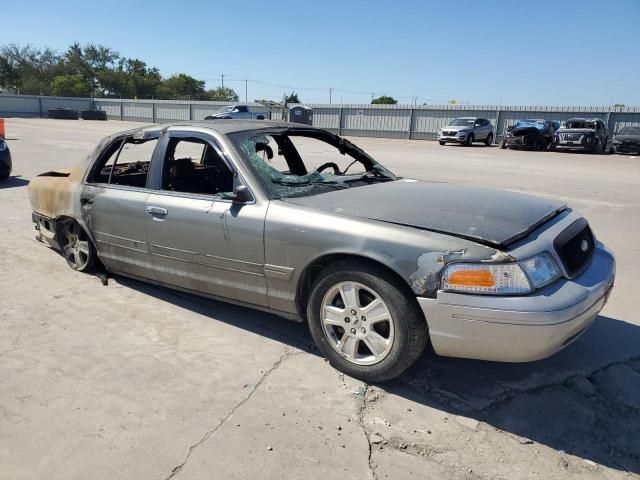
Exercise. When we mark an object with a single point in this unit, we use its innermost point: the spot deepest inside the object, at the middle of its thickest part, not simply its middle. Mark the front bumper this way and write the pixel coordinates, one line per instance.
(629, 148)
(458, 138)
(519, 329)
(587, 147)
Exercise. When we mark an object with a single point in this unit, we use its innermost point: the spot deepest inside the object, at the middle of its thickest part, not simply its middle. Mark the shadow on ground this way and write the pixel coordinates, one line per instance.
(584, 401)
(12, 182)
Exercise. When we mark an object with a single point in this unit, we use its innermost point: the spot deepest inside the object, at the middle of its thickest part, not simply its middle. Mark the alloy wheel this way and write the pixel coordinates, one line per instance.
(76, 246)
(357, 323)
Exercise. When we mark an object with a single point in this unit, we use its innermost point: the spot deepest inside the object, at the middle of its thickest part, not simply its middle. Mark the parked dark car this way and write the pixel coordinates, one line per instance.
(533, 134)
(5, 160)
(587, 134)
(93, 115)
(63, 114)
(626, 140)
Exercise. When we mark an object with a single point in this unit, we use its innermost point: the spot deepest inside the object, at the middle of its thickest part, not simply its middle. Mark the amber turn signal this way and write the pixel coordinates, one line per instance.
(472, 278)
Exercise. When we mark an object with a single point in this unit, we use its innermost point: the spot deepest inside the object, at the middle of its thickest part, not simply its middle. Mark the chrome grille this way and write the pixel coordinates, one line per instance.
(570, 137)
(575, 247)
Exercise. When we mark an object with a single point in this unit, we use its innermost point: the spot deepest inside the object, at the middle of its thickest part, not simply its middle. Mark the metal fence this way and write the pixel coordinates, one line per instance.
(419, 122)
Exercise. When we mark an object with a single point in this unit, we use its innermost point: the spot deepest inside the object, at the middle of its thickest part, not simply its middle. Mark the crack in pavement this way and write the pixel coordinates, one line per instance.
(367, 433)
(286, 355)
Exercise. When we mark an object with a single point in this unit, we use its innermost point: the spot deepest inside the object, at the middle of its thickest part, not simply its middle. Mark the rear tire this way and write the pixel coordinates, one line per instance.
(489, 140)
(76, 246)
(386, 317)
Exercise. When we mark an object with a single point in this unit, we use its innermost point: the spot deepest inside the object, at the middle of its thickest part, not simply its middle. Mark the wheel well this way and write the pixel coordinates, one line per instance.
(311, 272)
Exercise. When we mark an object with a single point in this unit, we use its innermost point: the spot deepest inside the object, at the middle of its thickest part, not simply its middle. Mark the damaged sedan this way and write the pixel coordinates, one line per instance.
(534, 134)
(626, 141)
(300, 222)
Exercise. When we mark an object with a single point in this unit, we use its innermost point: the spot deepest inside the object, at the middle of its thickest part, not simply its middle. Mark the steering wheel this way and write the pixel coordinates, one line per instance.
(336, 169)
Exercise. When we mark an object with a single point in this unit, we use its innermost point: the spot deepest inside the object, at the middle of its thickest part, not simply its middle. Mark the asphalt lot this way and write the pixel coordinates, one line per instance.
(133, 381)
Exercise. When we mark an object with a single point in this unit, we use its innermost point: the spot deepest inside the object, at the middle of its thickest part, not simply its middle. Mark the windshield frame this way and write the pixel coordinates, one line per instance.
(373, 169)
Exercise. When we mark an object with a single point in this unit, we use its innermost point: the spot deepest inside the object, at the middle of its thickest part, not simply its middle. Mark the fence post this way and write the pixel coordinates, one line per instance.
(495, 137)
(153, 112)
(121, 111)
(411, 120)
(40, 106)
(190, 111)
(340, 121)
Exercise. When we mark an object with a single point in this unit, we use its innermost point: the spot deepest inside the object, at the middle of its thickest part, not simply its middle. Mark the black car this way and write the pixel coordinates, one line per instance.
(627, 140)
(582, 134)
(533, 134)
(5, 160)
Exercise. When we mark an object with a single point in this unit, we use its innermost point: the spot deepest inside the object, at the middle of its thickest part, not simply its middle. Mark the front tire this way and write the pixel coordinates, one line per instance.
(469, 140)
(442, 142)
(365, 321)
(489, 140)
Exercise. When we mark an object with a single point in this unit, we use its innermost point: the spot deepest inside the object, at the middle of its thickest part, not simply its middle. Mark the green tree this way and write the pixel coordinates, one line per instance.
(70, 86)
(293, 98)
(182, 86)
(384, 100)
(28, 70)
(223, 94)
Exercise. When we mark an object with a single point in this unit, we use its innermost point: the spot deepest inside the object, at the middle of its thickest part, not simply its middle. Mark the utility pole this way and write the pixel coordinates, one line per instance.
(245, 91)
(330, 94)
(222, 76)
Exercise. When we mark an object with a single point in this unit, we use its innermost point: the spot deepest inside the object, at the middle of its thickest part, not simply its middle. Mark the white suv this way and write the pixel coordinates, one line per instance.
(467, 130)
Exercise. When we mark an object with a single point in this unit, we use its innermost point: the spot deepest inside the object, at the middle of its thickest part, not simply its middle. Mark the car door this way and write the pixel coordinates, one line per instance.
(113, 201)
(480, 130)
(200, 239)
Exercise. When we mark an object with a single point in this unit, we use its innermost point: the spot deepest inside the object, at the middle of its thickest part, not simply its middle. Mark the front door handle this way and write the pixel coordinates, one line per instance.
(151, 210)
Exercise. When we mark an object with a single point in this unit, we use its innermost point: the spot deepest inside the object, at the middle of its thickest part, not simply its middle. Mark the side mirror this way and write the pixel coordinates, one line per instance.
(241, 194)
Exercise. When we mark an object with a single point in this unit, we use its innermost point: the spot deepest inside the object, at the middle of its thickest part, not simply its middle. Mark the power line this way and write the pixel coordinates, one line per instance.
(233, 78)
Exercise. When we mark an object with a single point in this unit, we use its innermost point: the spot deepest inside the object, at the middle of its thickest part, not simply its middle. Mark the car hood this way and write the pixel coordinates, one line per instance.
(627, 138)
(456, 129)
(491, 217)
(529, 129)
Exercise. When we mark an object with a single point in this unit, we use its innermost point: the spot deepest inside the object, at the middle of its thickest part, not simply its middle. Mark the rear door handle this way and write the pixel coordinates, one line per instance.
(151, 210)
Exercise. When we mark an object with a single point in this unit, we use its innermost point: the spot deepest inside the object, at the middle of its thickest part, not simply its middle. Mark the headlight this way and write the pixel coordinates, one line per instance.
(541, 270)
(3, 145)
(501, 278)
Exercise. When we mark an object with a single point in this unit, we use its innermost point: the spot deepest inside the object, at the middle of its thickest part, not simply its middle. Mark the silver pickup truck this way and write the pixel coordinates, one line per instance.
(244, 112)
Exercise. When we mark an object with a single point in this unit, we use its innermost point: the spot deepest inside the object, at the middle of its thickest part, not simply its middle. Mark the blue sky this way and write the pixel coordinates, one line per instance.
(513, 52)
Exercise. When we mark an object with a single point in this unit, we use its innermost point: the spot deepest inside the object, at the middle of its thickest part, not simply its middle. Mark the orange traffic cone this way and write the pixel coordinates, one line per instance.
(1, 127)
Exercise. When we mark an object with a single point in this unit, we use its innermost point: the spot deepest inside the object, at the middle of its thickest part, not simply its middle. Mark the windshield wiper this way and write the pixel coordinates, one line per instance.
(374, 174)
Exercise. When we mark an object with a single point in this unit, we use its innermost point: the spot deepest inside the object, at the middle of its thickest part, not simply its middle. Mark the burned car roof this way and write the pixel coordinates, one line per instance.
(223, 126)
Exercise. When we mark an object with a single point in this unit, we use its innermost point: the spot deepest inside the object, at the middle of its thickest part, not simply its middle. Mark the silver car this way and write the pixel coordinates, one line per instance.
(298, 221)
(467, 130)
(241, 112)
